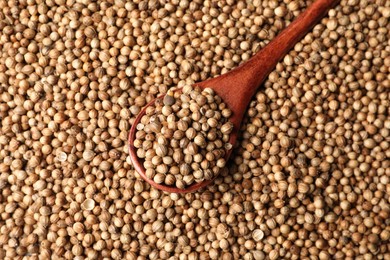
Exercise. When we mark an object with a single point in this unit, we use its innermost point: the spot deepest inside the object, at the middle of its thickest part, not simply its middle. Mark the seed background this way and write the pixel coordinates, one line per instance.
(310, 175)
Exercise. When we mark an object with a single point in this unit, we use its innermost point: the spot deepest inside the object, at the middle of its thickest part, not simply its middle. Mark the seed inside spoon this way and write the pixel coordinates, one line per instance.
(185, 137)
(169, 100)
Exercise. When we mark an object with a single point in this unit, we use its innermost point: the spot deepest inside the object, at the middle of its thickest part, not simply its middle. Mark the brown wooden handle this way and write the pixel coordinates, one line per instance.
(286, 40)
(238, 86)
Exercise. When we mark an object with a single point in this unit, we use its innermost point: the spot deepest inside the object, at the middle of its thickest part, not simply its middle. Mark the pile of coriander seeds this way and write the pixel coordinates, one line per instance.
(183, 138)
(310, 176)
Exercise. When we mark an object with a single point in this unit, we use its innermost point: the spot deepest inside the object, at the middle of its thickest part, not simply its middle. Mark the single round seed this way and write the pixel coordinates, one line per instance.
(61, 156)
(257, 235)
(88, 204)
(227, 128)
(200, 141)
(169, 100)
(161, 150)
(88, 155)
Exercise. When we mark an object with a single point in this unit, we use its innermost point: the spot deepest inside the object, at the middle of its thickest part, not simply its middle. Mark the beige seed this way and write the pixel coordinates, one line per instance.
(161, 150)
(61, 156)
(159, 178)
(192, 149)
(170, 179)
(88, 204)
(257, 235)
(200, 141)
(88, 155)
(227, 128)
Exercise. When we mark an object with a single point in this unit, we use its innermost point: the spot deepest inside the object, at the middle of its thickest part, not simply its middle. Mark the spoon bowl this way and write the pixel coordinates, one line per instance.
(237, 87)
(137, 162)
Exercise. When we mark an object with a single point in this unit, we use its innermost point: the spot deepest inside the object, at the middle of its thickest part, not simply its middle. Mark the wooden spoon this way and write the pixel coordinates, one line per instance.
(238, 86)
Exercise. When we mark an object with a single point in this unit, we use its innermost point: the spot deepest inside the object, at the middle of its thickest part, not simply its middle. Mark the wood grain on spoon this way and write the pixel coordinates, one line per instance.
(238, 86)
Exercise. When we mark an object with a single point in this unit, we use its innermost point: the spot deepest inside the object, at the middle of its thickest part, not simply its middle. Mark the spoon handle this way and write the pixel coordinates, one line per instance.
(238, 86)
(267, 58)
